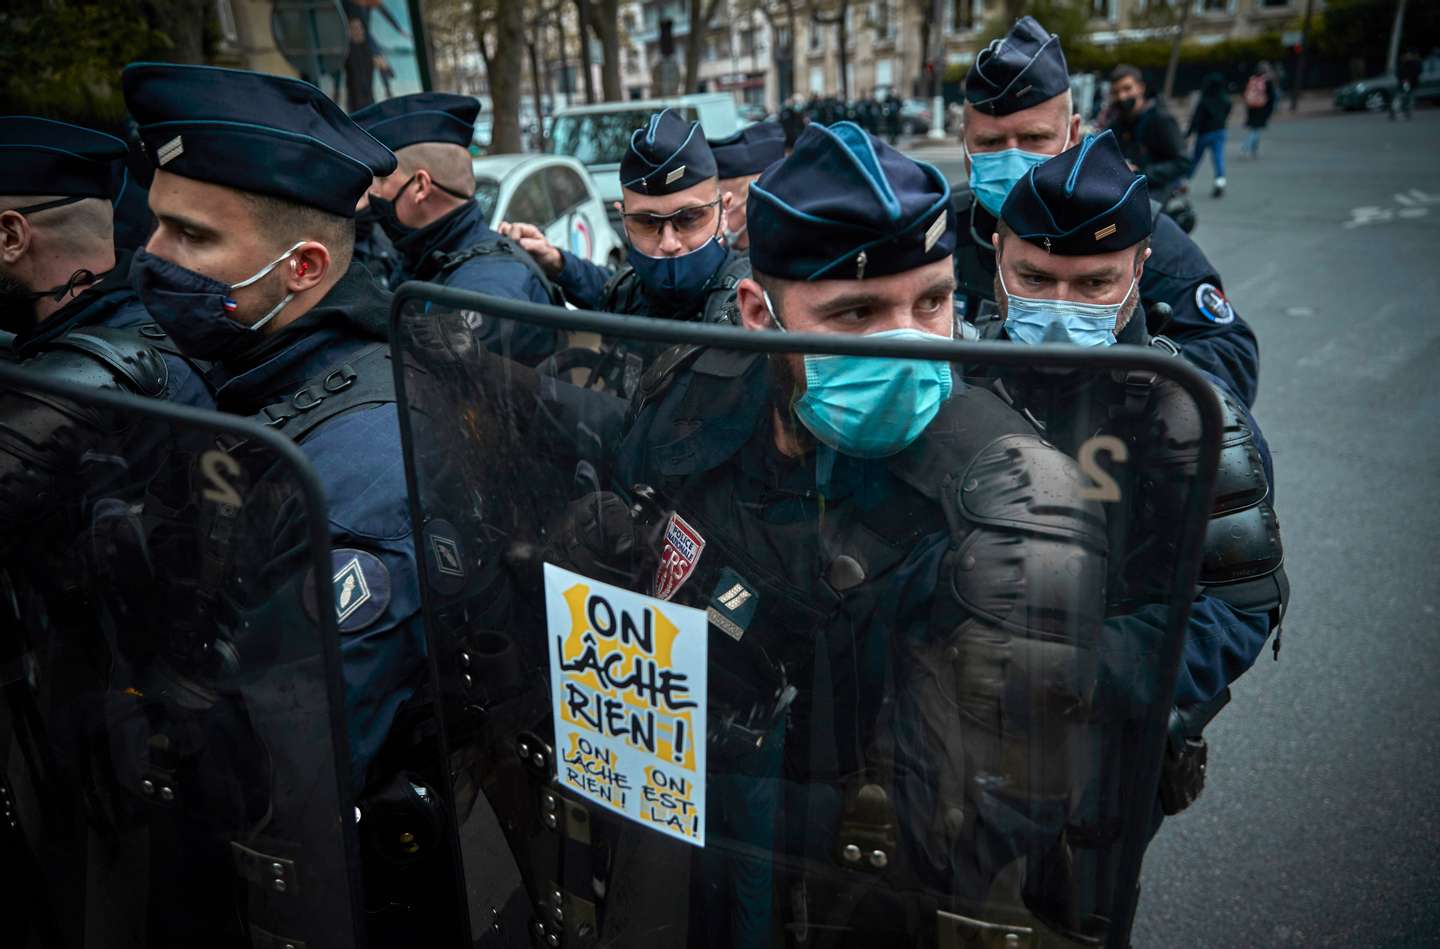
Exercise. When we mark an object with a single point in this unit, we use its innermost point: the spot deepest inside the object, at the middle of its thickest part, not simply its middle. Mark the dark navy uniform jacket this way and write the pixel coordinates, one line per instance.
(112, 302)
(498, 274)
(359, 461)
(1210, 333)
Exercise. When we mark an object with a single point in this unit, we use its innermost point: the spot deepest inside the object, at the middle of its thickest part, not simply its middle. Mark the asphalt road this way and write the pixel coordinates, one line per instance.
(1321, 822)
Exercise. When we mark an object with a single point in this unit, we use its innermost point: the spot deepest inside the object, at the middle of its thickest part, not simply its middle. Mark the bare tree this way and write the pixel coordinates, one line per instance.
(839, 17)
(702, 14)
(582, 15)
(604, 21)
(500, 29)
(779, 15)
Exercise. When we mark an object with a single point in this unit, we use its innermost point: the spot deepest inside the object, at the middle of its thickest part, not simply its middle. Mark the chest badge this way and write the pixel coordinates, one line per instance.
(678, 557)
(732, 607)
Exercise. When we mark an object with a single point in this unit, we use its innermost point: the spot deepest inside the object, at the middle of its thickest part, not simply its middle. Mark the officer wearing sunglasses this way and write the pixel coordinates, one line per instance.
(674, 213)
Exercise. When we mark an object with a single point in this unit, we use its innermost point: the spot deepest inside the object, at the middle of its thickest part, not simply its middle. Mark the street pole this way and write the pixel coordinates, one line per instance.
(1304, 54)
(1392, 58)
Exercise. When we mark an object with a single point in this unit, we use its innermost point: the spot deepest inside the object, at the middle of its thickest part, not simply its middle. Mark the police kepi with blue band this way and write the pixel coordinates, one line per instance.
(749, 151)
(1083, 202)
(1022, 69)
(846, 206)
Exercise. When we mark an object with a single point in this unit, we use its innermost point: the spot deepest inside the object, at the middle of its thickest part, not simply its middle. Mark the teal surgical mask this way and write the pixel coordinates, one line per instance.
(993, 174)
(1061, 321)
(868, 406)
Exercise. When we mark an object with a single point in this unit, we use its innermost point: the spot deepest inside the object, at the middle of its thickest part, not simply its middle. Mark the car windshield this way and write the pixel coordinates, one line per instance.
(487, 192)
(600, 138)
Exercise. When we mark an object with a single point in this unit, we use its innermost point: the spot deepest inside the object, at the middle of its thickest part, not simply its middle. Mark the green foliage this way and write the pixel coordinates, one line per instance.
(1065, 18)
(1154, 54)
(63, 59)
(1360, 29)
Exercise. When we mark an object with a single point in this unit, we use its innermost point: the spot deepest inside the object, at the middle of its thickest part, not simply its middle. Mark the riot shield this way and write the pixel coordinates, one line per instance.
(731, 663)
(175, 762)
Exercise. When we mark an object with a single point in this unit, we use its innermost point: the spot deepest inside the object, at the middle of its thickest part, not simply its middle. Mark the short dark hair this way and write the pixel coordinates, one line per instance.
(1127, 71)
(290, 222)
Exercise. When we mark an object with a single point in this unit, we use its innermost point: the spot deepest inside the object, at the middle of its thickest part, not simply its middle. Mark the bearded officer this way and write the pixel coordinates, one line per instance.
(739, 160)
(66, 298)
(1071, 247)
(251, 266)
(674, 214)
(427, 209)
(1017, 114)
(802, 502)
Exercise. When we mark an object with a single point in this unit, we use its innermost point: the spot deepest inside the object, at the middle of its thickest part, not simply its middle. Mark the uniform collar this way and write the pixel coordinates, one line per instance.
(354, 314)
(461, 228)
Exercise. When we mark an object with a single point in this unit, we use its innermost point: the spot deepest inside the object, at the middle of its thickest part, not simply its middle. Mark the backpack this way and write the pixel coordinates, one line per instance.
(1255, 96)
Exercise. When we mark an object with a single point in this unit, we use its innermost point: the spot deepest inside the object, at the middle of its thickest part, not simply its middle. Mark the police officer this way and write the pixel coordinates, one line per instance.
(65, 297)
(814, 489)
(427, 208)
(674, 213)
(251, 266)
(1072, 243)
(739, 160)
(1017, 114)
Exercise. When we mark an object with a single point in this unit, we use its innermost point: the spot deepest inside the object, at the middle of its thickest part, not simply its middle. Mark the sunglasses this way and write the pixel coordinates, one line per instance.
(685, 220)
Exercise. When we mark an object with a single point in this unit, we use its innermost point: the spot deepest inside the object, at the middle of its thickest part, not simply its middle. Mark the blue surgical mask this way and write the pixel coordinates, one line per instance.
(678, 282)
(869, 406)
(1061, 321)
(993, 174)
(194, 310)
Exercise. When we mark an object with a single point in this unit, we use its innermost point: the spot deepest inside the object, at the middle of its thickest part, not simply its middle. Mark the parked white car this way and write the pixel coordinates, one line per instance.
(556, 194)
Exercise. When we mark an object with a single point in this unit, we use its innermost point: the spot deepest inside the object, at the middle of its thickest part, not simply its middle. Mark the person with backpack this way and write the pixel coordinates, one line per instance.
(1207, 124)
(1260, 96)
(428, 210)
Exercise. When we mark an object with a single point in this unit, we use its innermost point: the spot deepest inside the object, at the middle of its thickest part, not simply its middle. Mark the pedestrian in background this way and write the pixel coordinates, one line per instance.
(1207, 124)
(1407, 77)
(1260, 97)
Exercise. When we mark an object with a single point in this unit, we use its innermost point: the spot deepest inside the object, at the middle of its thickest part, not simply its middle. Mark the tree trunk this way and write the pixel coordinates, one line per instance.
(586, 67)
(567, 82)
(1174, 65)
(842, 31)
(694, 40)
(605, 20)
(1392, 57)
(539, 140)
(1297, 82)
(503, 70)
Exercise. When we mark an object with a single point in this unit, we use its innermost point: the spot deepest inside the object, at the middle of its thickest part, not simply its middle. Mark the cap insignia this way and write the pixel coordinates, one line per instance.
(675, 175)
(170, 151)
(1105, 232)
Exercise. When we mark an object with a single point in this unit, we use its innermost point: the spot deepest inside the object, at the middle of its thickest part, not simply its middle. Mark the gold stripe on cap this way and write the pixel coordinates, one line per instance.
(1105, 232)
(675, 175)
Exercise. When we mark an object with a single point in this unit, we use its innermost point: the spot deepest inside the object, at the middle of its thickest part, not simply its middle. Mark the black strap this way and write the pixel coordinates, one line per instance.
(437, 264)
(364, 380)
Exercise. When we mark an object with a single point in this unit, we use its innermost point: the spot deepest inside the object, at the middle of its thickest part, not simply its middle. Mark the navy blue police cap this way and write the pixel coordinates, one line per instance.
(421, 117)
(1085, 200)
(749, 151)
(845, 206)
(1023, 68)
(667, 155)
(42, 156)
(255, 132)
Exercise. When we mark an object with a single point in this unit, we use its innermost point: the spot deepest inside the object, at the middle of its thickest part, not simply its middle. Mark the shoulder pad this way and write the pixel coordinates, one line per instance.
(1242, 545)
(1240, 481)
(1023, 483)
(128, 359)
(614, 286)
(364, 380)
(658, 377)
(1034, 558)
(720, 302)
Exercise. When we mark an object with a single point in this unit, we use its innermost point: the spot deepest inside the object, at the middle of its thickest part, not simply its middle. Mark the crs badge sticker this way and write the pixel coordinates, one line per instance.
(683, 546)
(1211, 302)
(359, 589)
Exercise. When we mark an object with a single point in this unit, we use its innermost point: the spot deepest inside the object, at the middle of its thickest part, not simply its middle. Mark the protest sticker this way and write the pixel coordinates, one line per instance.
(628, 680)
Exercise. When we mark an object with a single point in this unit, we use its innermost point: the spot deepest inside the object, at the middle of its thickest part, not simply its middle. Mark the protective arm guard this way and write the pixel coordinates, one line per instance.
(42, 437)
(1003, 687)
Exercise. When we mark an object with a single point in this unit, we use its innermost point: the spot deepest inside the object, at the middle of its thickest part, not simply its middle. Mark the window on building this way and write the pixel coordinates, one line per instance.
(1216, 6)
(963, 14)
(782, 39)
(747, 43)
(884, 14)
(1102, 9)
(817, 80)
(814, 33)
(1275, 4)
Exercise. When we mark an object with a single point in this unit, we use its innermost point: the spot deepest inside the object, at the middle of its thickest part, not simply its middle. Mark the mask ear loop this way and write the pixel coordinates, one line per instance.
(770, 308)
(258, 324)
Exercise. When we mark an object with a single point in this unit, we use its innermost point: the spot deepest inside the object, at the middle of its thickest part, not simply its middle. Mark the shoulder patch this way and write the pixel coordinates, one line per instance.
(444, 557)
(733, 604)
(682, 549)
(1210, 301)
(359, 589)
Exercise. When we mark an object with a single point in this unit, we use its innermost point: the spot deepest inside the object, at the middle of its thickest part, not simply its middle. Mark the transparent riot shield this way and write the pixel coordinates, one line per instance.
(745, 660)
(175, 765)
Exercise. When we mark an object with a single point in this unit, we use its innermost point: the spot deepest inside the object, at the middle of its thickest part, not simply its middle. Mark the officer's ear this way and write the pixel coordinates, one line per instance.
(307, 267)
(424, 184)
(14, 236)
(750, 298)
(1074, 137)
